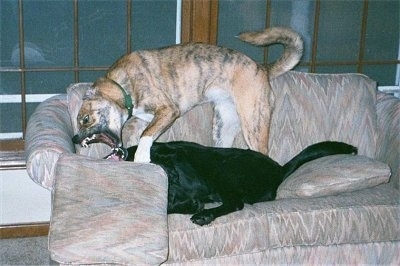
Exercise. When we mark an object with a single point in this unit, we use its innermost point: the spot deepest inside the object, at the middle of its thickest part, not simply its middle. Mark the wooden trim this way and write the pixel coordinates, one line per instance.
(12, 145)
(24, 230)
(12, 155)
(363, 35)
(199, 21)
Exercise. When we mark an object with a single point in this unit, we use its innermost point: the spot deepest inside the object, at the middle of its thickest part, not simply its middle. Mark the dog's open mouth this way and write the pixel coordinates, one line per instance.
(118, 154)
(95, 138)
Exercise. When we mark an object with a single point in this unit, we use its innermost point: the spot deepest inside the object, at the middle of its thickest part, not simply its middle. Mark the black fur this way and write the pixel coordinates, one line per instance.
(199, 175)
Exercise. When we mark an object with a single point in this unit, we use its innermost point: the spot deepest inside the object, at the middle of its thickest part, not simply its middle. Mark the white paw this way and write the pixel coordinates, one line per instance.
(142, 154)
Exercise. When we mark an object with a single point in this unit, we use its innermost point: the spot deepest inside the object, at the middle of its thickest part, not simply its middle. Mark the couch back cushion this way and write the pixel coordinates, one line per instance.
(308, 108)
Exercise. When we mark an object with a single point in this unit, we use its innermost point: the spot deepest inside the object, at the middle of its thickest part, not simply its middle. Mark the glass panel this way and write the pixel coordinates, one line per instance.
(153, 24)
(10, 117)
(236, 16)
(339, 30)
(302, 68)
(385, 75)
(10, 83)
(48, 28)
(337, 69)
(90, 76)
(30, 108)
(382, 39)
(9, 55)
(102, 32)
(295, 14)
(48, 82)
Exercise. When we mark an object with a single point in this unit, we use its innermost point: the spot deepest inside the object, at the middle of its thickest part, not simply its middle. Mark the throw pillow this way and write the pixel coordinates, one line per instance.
(332, 175)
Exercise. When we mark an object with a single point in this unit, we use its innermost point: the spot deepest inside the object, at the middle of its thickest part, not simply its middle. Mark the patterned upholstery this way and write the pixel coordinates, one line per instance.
(332, 175)
(364, 216)
(87, 209)
(315, 107)
(355, 227)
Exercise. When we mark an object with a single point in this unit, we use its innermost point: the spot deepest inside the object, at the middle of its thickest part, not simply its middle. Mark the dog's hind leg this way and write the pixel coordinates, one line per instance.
(226, 124)
(254, 107)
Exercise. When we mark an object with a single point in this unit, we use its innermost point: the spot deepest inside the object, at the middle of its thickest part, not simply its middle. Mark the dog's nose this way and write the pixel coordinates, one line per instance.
(75, 139)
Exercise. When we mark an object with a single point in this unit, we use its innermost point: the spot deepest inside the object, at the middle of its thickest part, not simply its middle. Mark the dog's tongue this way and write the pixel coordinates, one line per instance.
(118, 154)
(113, 156)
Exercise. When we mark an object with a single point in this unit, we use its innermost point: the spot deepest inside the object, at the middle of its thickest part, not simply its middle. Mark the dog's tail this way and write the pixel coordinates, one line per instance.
(316, 151)
(291, 40)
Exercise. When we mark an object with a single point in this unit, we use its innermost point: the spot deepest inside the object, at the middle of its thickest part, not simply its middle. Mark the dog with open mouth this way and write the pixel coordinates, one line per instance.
(198, 175)
(160, 85)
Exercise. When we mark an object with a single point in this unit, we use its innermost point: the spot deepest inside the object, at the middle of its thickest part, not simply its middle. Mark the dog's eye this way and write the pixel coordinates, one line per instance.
(85, 119)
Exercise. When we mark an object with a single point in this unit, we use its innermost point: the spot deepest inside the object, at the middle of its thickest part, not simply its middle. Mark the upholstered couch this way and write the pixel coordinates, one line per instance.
(338, 210)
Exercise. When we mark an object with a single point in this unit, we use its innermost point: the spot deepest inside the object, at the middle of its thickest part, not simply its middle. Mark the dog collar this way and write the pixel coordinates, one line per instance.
(127, 98)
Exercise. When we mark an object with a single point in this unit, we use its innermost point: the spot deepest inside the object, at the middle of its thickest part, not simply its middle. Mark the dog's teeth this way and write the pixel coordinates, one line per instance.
(84, 143)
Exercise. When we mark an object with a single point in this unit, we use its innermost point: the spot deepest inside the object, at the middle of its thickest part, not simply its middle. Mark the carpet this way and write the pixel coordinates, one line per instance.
(25, 251)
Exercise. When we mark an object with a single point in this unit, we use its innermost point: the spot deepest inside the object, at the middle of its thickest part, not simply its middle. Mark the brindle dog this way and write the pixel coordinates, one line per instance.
(163, 84)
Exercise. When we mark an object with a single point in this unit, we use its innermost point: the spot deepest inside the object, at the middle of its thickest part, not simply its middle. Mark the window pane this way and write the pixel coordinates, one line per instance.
(30, 108)
(102, 32)
(9, 55)
(48, 82)
(385, 75)
(339, 30)
(239, 16)
(10, 83)
(298, 15)
(153, 24)
(90, 76)
(48, 28)
(382, 39)
(10, 117)
(337, 69)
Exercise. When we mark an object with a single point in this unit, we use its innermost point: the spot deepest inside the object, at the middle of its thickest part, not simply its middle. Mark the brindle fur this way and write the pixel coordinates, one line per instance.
(166, 83)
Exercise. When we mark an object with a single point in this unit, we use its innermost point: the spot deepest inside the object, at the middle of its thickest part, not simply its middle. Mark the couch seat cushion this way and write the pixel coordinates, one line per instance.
(114, 215)
(363, 216)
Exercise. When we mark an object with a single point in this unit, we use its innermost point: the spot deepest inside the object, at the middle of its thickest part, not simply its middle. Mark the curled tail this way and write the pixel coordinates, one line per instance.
(291, 40)
(316, 151)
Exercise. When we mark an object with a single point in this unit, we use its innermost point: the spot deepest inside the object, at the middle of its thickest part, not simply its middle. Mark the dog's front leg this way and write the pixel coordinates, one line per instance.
(206, 216)
(163, 119)
(142, 154)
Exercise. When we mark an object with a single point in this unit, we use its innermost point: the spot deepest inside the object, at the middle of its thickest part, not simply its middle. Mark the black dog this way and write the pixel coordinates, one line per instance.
(199, 175)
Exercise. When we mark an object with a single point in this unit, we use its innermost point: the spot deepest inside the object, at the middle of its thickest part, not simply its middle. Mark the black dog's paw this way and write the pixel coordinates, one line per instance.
(202, 218)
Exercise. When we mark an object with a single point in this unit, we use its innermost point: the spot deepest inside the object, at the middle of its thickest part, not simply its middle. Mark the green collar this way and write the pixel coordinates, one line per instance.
(127, 98)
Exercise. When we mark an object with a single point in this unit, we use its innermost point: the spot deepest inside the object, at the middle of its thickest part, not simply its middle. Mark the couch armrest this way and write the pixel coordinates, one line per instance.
(388, 142)
(49, 134)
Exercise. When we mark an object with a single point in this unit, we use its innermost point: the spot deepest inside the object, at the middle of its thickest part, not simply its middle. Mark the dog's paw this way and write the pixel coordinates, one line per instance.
(202, 218)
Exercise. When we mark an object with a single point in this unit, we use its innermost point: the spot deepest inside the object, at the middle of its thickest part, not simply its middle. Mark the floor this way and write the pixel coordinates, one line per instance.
(25, 251)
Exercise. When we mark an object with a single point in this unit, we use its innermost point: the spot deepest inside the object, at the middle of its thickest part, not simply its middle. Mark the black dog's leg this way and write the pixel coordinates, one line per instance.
(208, 215)
(188, 206)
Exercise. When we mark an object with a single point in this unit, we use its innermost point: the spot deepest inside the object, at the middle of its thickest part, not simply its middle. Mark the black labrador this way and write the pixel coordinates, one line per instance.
(198, 174)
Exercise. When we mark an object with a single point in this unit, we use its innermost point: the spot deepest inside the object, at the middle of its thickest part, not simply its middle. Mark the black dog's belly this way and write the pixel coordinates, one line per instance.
(187, 200)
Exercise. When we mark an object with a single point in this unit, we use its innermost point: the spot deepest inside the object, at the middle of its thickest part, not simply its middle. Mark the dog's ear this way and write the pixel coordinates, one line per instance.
(91, 93)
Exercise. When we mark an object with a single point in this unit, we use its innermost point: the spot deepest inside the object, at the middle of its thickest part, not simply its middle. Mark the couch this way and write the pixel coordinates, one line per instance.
(335, 210)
